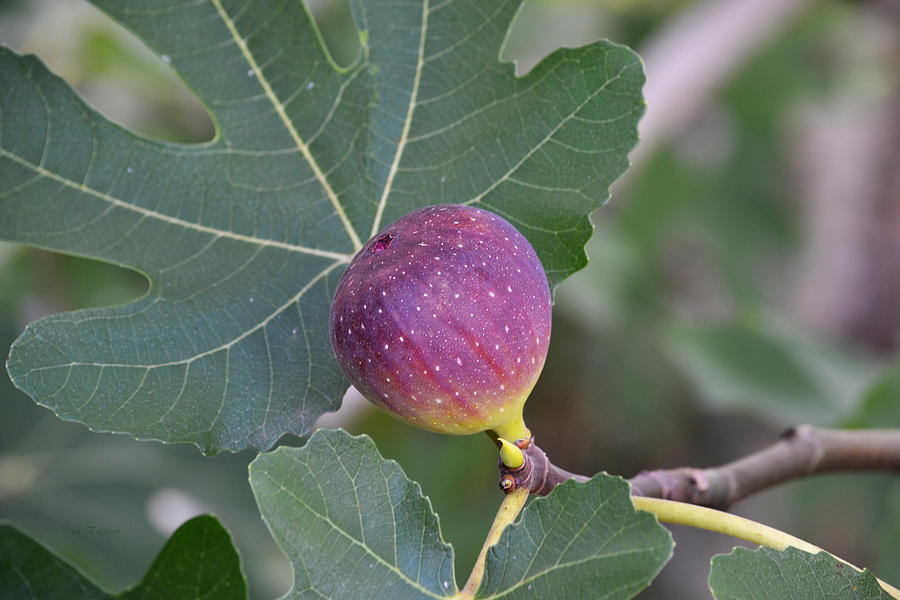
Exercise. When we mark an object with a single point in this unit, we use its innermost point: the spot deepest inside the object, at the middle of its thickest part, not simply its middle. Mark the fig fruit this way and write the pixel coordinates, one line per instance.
(443, 320)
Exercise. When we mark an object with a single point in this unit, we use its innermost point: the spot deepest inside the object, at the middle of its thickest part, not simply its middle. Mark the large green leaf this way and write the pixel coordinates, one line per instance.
(766, 574)
(198, 561)
(243, 238)
(585, 540)
(28, 570)
(354, 526)
(351, 523)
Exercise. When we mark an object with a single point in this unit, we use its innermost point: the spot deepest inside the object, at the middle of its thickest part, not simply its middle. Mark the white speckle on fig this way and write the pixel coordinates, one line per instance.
(457, 355)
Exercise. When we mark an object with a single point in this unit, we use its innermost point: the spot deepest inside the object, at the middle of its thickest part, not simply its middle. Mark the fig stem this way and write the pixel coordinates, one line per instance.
(701, 517)
(537, 474)
(509, 509)
(800, 451)
(513, 430)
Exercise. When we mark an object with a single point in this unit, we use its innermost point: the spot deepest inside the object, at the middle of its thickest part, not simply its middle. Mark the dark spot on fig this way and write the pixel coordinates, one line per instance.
(382, 243)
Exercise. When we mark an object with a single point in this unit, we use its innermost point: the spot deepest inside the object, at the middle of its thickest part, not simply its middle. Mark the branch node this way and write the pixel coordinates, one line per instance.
(801, 450)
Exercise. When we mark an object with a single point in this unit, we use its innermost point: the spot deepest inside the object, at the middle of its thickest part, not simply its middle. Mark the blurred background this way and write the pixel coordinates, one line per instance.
(745, 276)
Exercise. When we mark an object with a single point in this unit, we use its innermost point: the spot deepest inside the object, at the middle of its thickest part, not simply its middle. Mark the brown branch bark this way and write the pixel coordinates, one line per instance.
(800, 452)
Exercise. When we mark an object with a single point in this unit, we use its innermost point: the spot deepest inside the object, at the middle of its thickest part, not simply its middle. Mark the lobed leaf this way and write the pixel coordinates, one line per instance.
(350, 522)
(243, 238)
(584, 540)
(769, 574)
(354, 526)
(198, 561)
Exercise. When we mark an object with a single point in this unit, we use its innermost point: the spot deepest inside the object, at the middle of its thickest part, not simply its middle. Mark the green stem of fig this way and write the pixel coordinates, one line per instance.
(509, 509)
(514, 430)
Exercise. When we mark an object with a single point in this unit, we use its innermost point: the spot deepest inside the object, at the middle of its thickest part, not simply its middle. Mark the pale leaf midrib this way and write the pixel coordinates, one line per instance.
(404, 135)
(393, 568)
(289, 125)
(568, 565)
(219, 233)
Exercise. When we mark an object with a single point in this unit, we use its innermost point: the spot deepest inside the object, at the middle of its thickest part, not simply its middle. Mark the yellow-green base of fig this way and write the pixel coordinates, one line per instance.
(513, 431)
(506, 422)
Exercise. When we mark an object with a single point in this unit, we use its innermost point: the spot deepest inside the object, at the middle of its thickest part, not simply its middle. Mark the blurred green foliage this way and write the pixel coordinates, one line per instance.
(680, 317)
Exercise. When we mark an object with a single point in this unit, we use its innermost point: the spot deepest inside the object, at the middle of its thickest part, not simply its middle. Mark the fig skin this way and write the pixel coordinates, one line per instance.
(443, 320)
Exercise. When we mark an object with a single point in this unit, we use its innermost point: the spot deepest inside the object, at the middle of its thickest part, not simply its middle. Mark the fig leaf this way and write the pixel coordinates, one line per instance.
(243, 238)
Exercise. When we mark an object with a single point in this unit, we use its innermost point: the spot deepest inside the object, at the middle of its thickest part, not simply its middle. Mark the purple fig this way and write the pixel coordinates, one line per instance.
(443, 320)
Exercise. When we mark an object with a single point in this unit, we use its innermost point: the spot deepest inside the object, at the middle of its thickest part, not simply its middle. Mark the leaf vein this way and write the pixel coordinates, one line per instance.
(404, 135)
(339, 256)
(211, 351)
(547, 138)
(352, 540)
(289, 125)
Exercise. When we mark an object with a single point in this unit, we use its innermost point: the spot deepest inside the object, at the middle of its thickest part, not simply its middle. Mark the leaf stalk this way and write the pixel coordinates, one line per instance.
(701, 517)
(509, 509)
